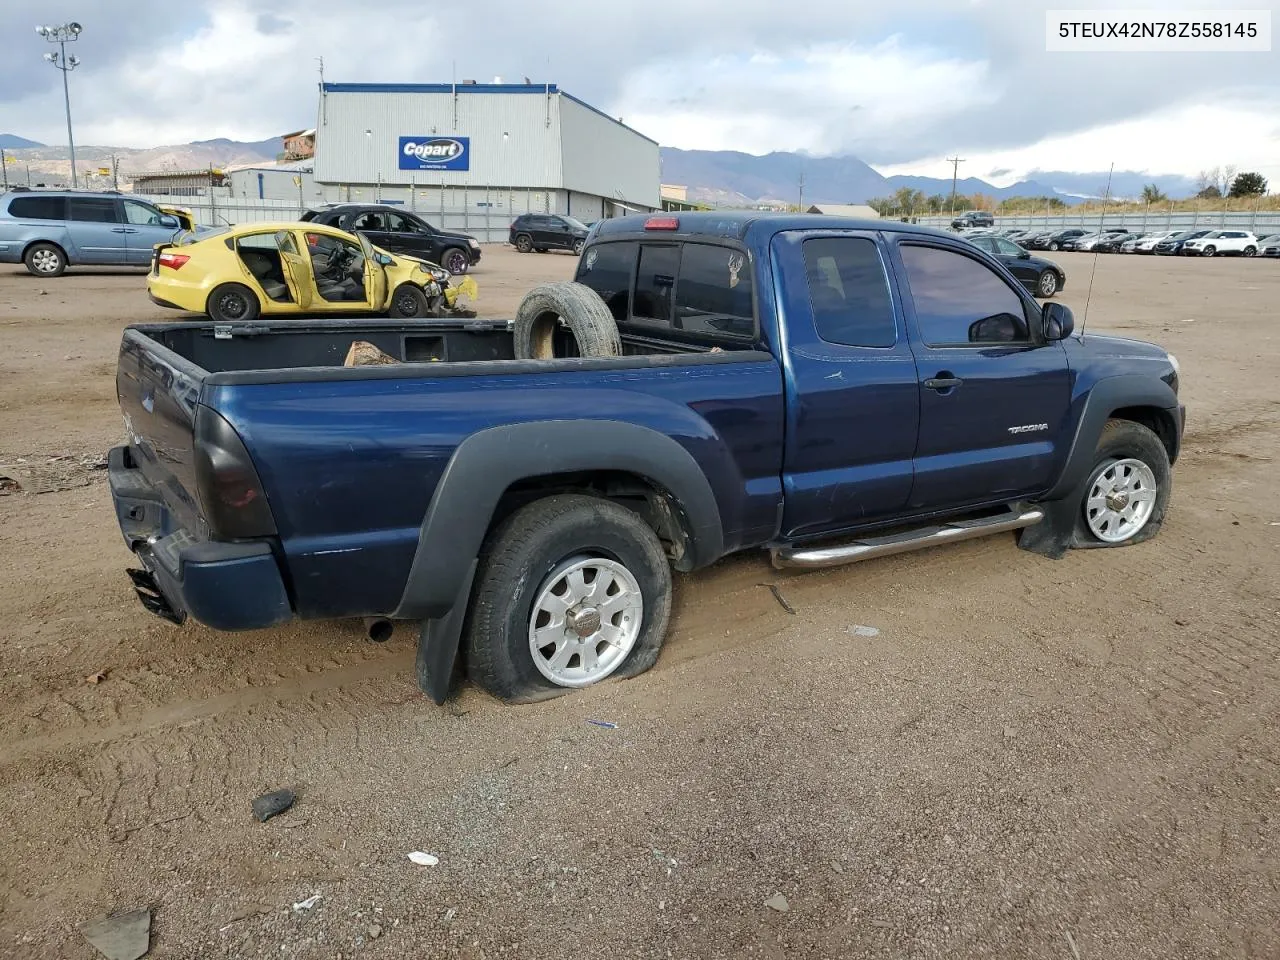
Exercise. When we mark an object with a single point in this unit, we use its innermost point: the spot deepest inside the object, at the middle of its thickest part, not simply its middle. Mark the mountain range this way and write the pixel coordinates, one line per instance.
(719, 177)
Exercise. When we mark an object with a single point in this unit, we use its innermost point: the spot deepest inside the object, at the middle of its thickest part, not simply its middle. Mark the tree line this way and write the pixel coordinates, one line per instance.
(1212, 184)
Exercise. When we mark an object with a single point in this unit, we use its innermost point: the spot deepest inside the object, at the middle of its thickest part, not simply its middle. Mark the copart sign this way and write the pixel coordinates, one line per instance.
(435, 153)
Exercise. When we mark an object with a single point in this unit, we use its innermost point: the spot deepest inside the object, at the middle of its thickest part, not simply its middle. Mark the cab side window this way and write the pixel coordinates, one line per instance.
(849, 292)
(959, 300)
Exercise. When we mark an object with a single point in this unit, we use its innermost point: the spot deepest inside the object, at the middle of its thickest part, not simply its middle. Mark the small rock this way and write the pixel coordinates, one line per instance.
(375, 931)
(126, 936)
(1009, 732)
(883, 924)
(270, 804)
(1181, 623)
(424, 859)
(96, 678)
(42, 293)
(778, 902)
(837, 868)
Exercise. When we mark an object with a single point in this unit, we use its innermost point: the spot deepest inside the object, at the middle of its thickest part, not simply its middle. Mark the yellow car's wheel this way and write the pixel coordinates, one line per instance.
(408, 302)
(232, 303)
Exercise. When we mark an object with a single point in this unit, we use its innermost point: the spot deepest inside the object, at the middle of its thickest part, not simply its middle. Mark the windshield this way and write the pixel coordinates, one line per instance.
(575, 223)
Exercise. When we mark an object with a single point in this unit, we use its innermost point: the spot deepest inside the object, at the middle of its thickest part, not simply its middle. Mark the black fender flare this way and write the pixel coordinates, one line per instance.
(488, 462)
(1105, 398)
(1052, 536)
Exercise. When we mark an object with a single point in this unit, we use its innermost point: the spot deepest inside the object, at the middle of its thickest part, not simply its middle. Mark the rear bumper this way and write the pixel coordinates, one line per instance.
(227, 586)
(162, 303)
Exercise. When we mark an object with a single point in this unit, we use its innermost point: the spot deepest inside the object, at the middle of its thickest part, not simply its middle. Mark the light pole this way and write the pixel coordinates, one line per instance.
(62, 36)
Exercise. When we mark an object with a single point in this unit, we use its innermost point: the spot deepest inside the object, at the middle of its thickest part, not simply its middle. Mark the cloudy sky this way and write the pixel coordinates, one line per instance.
(901, 85)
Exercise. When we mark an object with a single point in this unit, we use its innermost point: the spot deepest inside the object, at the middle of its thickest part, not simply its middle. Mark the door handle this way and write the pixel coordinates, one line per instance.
(119, 230)
(943, 382)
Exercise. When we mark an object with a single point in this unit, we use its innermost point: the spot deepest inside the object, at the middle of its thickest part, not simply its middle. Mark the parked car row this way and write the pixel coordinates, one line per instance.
(1119, 239)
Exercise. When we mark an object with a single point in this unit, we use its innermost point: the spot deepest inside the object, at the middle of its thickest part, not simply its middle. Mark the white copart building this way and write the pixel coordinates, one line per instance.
(475, 156)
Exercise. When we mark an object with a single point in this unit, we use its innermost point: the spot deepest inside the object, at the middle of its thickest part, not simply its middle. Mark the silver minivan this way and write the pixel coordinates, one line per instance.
(50, 230)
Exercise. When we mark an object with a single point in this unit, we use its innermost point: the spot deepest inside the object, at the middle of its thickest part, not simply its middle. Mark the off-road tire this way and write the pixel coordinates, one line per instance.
(580, 307)
(524, 243)
(521, 553)
(1124, 439)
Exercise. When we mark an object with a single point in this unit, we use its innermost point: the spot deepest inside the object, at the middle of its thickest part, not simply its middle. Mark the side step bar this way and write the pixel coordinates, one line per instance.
(811, 558)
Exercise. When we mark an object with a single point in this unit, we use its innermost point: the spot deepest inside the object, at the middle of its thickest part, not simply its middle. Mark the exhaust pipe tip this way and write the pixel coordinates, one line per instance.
(378, 629)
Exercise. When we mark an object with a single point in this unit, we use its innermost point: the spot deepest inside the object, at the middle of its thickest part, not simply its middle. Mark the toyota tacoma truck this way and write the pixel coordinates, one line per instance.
(822, 389)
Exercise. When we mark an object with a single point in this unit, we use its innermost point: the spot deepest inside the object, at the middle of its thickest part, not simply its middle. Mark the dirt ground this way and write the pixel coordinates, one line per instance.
(1076, 759)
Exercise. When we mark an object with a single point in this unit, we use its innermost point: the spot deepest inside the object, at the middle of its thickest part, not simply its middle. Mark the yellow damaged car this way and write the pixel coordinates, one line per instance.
(294, 269)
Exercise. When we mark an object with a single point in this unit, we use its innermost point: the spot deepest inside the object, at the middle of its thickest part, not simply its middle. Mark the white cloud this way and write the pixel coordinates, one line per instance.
(1183, 140)
(822, 99)
(902, 84)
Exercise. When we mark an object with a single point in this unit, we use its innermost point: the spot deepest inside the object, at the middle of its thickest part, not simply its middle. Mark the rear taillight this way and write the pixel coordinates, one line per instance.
(231, 495)
(173, 261)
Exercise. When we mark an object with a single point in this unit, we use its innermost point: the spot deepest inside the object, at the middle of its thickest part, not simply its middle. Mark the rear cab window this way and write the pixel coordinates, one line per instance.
(697, 293)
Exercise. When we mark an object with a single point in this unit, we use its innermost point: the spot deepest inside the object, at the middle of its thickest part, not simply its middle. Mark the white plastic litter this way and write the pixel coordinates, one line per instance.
(306, 904)
(424, 859)
(858, 630)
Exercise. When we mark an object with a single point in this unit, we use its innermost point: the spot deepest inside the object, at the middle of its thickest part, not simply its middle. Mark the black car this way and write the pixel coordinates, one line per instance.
(974, 218)
(1112, 243)
(401, 231)
(547, 231)
(1174, 244)
(1054, 241)
(1042, 277)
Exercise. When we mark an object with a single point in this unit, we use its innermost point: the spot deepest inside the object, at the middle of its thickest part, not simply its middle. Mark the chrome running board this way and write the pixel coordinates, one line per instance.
(813, 558)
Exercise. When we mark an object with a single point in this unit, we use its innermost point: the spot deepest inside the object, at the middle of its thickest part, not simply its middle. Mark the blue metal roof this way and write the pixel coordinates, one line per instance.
(543, 88)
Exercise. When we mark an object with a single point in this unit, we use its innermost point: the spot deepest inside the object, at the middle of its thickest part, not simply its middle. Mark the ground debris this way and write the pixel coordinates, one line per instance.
(125, 936)
(777, 595)
(270, 804)
(778, 902)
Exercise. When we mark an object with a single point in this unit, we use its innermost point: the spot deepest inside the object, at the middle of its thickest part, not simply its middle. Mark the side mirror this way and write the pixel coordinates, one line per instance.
(170, 222)
(1023, 255)
(384, 260)
(1057, 321)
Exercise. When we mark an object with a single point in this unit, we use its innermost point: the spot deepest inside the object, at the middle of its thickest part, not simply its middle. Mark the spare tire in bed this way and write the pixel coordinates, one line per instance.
(582, 310)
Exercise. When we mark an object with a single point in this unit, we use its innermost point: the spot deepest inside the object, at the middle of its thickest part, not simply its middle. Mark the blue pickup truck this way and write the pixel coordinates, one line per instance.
(826, 390)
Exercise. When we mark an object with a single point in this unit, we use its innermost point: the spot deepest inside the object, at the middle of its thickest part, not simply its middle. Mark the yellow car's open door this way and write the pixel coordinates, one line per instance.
(375, 275)
(297, 270)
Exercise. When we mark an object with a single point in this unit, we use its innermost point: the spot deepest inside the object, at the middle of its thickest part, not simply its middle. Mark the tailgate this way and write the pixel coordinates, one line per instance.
(158, 392)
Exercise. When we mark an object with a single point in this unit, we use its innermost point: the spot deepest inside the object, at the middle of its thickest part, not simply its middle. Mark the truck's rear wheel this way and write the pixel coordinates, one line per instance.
(570, 590)
(589, 320)
(1127, 492)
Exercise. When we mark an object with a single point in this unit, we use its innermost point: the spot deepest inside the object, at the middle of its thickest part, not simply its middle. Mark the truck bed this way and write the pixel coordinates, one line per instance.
(350, 457)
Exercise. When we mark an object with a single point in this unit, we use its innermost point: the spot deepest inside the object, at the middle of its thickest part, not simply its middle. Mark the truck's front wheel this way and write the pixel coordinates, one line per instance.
(570, 590)
(1127, 491)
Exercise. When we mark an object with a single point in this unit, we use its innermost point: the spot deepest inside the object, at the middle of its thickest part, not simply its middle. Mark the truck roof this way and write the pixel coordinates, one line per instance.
(735, 224)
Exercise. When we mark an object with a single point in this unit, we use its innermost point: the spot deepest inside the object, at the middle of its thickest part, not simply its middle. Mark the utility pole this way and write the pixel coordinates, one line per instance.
(800, 204)
(955, 169)
(115, 172)
(4, 168)
(62, 36)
